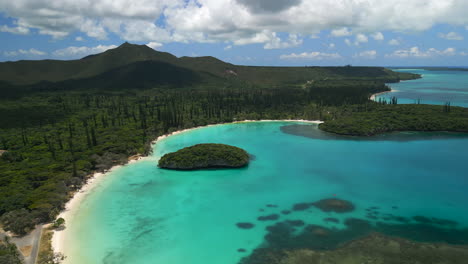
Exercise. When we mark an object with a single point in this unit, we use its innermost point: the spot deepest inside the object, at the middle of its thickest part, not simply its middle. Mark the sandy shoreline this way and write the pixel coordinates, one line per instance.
(58, 238)
(377, 94)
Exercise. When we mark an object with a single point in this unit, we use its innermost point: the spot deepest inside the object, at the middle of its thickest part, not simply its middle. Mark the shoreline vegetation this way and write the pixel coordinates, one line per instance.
(400, 118)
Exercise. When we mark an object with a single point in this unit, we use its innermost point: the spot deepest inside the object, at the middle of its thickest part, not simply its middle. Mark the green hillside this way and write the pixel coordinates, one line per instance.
(30, 72)
(138, 75)
(118, 60)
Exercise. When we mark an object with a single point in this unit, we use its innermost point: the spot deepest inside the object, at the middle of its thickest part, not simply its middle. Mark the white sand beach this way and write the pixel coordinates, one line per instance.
(377, 94)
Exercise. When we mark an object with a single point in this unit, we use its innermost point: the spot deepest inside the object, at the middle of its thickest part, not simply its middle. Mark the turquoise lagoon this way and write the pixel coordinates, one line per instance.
(435, 87)
(141, 214)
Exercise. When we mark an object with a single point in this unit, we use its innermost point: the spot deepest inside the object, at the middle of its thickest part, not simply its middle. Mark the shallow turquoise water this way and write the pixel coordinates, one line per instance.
(141, 214)
(435, 87)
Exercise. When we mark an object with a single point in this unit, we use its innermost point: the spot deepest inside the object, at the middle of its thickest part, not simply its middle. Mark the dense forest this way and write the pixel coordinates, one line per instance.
(9, 253)
(391, 117)
(68, 119)
(203, 156)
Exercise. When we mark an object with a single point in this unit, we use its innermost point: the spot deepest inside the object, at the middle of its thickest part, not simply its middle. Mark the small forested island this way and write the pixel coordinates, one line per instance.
(203, 156)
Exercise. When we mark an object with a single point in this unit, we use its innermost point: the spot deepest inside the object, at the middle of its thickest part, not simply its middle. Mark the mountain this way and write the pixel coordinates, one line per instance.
(132, 66)
(137, 75)
(30, 72)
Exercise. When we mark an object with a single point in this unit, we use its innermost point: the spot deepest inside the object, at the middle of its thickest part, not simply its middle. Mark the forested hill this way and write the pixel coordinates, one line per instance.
(30, 72)
(208, 70)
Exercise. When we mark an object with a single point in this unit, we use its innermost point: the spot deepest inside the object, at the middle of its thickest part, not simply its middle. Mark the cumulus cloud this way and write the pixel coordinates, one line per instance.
(310, 56)
(15, 30)
(228, 20)
(451, 36)
(348, 42)
(368, 54)
(228, 47)
(268, 5)
(314, 36)
(361, 38)
(342, 32)
(415, 52)
(394, 42)
(276, 43)
(79, 39)
(378, 36)
(94, 18)
(22, 52)
(270, 40)
(77, 52)
(154, 45)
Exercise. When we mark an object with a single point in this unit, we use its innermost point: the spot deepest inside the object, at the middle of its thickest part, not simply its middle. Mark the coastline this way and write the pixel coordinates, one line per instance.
(58, 236)
(72, 205)
(235, 122)
(377, 94)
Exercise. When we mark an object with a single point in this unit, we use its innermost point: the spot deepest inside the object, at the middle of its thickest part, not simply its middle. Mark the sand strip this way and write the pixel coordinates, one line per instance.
(377, 94)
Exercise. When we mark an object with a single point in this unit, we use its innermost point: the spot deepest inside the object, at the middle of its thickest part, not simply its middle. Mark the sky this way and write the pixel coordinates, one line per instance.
(246, 32)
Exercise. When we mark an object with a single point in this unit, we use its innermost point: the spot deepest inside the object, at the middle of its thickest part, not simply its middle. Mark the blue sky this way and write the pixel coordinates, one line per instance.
(248, 32)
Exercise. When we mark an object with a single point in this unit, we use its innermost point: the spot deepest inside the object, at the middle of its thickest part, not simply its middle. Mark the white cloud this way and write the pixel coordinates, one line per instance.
(314, 36)
(143, 31)
(79, 39)
(276, 43)
(368, 54)
(378, 36)
(228, 20)
(22, 52)
(228, 47)
(348, 42)
(93, 29)
(451, 36)
(76, 52)
(34, 52)
(310, 56)
(342, 32)
(94, 18)
(415, 52)
(154, 45)
(463, 53)
(361, 38)
(260, 37)
(448, 52)
(394, 42)
(15, 30)
(271, 40)
(331, 46)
